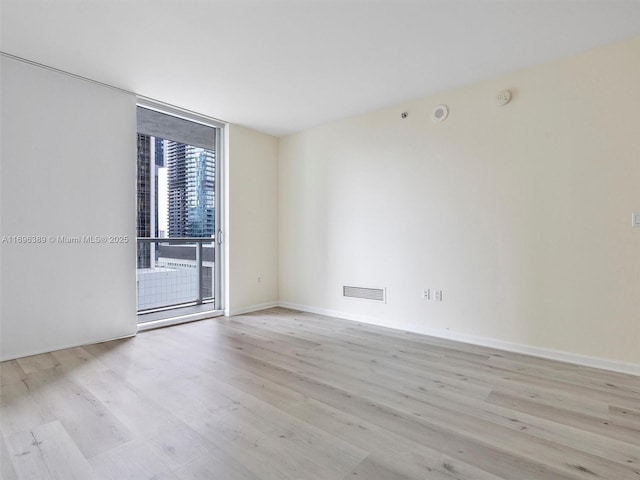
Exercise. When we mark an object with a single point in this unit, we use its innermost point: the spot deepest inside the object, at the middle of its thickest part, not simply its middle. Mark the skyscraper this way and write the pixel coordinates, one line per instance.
(143, 204)
(191, 179)
(147, 178)
(159, 163)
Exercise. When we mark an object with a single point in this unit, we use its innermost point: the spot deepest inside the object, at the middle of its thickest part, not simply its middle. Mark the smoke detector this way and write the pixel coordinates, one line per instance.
(503, 97)
(439, 113)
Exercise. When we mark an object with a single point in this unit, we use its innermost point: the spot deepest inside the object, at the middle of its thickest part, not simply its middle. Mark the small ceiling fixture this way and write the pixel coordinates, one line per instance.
(503, 97)
(439, 113)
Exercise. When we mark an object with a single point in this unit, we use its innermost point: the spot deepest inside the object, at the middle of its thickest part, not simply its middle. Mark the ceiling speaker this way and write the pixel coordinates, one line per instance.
(439, 113)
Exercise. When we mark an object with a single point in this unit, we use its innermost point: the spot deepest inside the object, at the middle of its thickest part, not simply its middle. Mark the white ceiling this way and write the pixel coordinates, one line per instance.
(284, 66)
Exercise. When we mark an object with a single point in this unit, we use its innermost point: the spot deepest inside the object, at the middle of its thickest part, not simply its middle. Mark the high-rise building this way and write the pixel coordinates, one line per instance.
(191, 178)
(159, 163)
(147, 177)
(143, 204)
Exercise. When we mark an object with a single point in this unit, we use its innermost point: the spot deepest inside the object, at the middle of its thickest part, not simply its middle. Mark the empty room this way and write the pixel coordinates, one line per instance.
(320, 240)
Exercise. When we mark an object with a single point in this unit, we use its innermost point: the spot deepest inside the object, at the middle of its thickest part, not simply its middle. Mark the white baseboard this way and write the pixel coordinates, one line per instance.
(55, 348)
(568, 357)
(251, 308)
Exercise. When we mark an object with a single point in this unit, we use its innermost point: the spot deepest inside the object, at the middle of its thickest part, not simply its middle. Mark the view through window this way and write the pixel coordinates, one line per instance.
(176, 212)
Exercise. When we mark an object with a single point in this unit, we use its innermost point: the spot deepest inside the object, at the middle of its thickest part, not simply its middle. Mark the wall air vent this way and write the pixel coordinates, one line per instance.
(377, 294)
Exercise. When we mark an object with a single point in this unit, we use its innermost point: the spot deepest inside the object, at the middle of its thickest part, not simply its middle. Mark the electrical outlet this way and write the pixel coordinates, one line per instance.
(426, 294)
(438, 295)
(259, 281)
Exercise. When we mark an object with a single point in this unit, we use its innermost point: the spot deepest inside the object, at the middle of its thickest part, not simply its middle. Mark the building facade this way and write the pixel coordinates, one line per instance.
(149, 148)
(191, 179)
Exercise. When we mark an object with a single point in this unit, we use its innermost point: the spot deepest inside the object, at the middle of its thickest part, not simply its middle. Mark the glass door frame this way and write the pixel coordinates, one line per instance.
(175, 315)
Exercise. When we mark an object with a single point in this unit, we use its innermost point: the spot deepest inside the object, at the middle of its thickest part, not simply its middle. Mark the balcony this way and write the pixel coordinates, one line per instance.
(174, 272)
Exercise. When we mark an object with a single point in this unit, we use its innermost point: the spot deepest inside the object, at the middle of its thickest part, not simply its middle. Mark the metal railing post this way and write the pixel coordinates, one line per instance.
(199, 281)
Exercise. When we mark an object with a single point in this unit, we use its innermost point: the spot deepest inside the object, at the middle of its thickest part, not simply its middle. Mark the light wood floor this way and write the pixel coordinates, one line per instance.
(286, 395)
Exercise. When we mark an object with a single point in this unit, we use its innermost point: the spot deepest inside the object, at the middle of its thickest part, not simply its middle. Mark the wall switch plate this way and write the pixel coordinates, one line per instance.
(426, 294)
(635, 219)
(438, 295)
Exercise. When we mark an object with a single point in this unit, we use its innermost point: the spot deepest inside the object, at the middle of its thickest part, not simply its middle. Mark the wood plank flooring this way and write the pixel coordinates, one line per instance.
(280, 394)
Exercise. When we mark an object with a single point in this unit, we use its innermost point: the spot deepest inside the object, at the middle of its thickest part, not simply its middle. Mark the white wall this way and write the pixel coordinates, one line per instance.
(67, 168)
(521, 213)
(252, 213)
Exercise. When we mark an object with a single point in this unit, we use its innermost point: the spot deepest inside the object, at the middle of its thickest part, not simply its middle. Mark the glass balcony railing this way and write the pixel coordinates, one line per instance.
(174, 272)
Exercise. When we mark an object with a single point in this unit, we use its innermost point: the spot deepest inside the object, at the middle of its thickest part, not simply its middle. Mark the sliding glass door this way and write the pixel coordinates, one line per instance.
(179, 245)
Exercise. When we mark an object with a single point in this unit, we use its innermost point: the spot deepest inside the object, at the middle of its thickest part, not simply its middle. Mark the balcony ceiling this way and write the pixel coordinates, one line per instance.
(284, 66)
